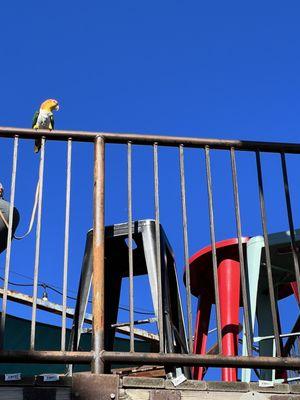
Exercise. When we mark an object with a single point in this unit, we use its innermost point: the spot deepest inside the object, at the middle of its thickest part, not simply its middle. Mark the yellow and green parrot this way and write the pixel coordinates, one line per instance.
(43, 119)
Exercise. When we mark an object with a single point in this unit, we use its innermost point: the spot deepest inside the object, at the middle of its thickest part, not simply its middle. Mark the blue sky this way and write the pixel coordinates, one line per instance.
(204, 69)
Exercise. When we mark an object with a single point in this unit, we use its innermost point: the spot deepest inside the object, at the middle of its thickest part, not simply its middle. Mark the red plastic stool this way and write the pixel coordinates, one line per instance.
(202, 286)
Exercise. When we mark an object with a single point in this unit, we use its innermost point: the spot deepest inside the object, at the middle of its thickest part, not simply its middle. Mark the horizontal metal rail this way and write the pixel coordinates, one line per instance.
(71, 357)
(140, 139)
(203, 360)
(46, 357)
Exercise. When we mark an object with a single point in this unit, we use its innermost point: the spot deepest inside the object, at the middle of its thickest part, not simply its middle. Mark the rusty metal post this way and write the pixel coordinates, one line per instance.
(98, 256)
(66, 246)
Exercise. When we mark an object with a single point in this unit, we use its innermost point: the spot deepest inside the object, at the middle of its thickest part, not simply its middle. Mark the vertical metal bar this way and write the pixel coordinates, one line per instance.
(9, 239)
(291, 223)
(158, 255)
(213, 246)
(130, 255)
(66, 245)
(241, 253)
(186, 247)
(37, 244)
(268, 257)
(98, 255)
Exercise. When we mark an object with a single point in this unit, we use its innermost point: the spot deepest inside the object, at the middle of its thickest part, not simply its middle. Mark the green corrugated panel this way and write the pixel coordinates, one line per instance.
(48, 337)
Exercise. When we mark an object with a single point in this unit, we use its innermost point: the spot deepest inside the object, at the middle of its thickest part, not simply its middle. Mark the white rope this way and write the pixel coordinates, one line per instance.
(37, 192)
(32, 215)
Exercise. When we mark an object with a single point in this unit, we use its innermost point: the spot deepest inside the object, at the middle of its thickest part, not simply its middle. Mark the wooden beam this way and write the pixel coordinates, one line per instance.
(55, 308)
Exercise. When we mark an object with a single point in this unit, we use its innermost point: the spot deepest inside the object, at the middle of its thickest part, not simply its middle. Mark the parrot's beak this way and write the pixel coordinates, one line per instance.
(56, 108)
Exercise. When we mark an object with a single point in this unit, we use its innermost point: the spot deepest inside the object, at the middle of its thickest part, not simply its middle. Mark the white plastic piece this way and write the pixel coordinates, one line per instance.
(178, 380)
(262, 383)
(51, 377)
(13, 377)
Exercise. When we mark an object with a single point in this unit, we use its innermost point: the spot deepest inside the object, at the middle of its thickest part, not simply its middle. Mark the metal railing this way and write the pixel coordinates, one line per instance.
(99, 356)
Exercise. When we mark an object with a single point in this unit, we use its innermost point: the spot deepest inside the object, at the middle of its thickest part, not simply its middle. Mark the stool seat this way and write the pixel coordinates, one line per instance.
(283, 271)
(201, 265)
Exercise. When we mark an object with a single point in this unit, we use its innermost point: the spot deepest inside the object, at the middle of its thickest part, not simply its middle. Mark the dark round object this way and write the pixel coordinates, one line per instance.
(4, 207)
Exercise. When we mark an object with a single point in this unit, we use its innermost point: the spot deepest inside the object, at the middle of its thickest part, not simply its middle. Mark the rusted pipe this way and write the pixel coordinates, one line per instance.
(98, 256)
(81, 357)
(161, 140)
(46, 357)
(203, 360)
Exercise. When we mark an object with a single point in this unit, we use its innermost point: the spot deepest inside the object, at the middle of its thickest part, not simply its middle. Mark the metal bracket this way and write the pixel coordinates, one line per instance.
(87, 386)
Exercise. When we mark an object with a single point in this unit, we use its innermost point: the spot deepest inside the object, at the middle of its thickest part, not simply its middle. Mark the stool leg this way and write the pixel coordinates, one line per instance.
(265, 328)
(229, 290)
(294, 287)
(254, 249)
(201, 331)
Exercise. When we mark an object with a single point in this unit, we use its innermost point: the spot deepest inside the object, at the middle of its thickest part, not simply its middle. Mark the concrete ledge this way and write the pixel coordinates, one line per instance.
(277, 388)
(213, 386)
(284, 397)
(295, 388)
(228, 386)
(165, 394)
(187, 385)
(152, 383)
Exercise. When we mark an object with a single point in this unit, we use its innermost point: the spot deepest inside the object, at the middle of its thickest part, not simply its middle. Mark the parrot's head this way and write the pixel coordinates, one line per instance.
(50, 105)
